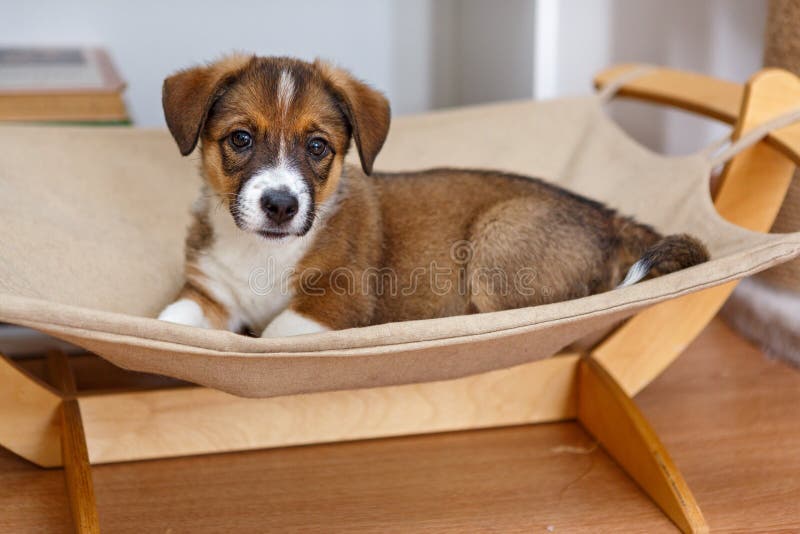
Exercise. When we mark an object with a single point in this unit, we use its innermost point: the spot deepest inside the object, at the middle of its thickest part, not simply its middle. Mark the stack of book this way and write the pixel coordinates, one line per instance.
(60, 85)
(55, 85)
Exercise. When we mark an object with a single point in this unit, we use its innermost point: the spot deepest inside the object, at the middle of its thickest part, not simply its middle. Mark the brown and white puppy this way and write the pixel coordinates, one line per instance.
(289, 240)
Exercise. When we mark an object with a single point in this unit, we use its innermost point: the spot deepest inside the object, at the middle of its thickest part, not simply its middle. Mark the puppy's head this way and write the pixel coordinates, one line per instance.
(273, 134)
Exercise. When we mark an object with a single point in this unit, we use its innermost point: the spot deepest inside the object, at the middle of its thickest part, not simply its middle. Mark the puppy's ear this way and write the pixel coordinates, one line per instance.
(188, 95)
(366, 109)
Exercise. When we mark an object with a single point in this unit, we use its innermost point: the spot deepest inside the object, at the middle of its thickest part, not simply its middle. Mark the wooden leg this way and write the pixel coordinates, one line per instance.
(75, 456)
(610, 415)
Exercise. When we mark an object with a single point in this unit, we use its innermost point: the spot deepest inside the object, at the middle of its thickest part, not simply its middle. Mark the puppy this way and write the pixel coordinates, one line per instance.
(287, 239)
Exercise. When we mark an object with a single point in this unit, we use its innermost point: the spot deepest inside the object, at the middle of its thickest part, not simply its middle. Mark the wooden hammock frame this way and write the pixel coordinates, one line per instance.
(56, 425)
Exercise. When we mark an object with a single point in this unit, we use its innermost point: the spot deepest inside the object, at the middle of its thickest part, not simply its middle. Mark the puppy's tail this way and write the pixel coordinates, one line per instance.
(670, 254)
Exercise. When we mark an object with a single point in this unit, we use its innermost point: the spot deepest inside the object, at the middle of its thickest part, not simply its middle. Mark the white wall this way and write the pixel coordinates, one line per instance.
(148, 40)
(411, 49)
(717, 37)
(423, 53)
(495, 50)
(462, 52)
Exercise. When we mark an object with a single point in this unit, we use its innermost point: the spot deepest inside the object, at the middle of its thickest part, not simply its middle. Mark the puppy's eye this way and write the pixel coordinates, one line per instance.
(240, 139)
(317, 147)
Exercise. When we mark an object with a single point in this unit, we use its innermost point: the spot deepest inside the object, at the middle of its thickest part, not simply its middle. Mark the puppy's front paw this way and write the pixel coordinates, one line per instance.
(185, 311)
(290, 323)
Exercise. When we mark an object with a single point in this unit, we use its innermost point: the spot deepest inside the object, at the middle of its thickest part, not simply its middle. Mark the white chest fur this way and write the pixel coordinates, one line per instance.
(248, 274)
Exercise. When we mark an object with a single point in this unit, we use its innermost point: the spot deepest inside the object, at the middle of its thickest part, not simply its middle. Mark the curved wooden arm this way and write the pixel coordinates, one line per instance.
(708, 96)
(752, 190)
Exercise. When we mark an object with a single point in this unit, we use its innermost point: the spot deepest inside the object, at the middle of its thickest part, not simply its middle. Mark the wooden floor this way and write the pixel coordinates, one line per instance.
(729, 416)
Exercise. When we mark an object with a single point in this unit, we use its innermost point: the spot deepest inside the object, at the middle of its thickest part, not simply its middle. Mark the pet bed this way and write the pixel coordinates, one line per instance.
(92, 248)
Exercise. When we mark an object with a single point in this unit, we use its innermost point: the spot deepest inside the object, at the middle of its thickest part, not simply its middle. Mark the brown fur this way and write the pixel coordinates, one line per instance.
(188, 95)
(497, 241)
(566, 246)
(215, 313)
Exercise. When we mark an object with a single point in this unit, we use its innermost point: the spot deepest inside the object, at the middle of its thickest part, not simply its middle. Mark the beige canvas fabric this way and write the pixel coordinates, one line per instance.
(93, 223)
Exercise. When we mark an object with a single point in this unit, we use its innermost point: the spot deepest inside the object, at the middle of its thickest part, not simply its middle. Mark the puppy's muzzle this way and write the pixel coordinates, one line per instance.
(280, 206)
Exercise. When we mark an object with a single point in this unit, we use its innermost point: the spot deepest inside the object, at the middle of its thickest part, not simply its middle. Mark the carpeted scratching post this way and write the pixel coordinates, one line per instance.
(766, 308)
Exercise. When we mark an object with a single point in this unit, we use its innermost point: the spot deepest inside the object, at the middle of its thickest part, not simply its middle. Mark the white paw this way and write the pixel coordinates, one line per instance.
(185, 311)
(290, 323)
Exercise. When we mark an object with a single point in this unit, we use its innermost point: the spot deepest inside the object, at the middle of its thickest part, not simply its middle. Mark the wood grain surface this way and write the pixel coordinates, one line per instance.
(77, 470)
(718, 99)
(614, 420)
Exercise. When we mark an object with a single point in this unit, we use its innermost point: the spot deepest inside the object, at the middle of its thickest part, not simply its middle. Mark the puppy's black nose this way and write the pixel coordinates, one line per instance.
(280, 206)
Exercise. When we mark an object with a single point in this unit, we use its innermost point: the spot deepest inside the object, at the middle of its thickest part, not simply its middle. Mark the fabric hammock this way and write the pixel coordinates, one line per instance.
(94, 219)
